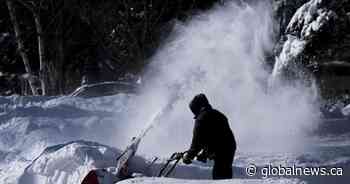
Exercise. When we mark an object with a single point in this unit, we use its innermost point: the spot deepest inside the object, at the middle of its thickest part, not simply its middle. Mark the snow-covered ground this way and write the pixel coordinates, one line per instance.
(40, 136)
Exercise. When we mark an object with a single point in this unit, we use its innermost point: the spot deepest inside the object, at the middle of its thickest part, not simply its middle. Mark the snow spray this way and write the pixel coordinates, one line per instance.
(222, 53)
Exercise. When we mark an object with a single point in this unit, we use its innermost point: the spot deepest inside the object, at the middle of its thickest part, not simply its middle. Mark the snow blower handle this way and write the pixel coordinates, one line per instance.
(177, 156)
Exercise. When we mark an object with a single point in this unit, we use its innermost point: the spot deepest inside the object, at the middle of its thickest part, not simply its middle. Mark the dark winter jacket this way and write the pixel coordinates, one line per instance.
(211, 130)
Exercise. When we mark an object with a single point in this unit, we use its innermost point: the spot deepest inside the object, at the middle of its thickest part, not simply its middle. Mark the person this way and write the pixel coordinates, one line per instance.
(212, 138)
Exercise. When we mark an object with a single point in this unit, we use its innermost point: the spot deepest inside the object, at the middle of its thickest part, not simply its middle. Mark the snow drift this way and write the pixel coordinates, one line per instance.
(67, 163)
(28, 125)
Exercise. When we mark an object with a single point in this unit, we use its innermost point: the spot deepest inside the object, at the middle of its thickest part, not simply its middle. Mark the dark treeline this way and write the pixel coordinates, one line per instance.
(49, 47)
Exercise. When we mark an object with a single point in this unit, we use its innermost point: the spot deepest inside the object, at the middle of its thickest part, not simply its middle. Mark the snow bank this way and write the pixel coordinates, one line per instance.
(68, 163)
(28, 125)
(104, 89)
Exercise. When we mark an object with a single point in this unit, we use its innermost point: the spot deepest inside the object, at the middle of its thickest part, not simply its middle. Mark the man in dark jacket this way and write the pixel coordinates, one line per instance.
(212, 138)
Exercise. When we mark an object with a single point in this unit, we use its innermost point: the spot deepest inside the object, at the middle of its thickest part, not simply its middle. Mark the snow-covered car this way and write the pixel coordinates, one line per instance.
(104, 89)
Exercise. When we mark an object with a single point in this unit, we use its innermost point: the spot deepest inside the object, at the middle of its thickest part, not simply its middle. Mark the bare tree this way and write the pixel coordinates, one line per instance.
(67, 39)
(20, 44)
(43, 59)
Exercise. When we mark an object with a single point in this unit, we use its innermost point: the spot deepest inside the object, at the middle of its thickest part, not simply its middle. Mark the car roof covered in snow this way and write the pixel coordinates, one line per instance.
(104, 89)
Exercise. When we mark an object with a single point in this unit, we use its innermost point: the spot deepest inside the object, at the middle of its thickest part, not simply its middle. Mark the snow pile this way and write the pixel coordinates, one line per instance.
(68, 163)
(104, 89)
(28, 125)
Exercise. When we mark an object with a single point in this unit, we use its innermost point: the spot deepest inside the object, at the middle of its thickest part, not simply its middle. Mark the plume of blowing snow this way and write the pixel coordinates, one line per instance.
(221, 53)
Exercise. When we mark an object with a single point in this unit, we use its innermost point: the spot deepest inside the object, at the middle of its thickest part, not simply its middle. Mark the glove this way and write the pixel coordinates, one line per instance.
(178, 155)
(186, 159)
(202, 157)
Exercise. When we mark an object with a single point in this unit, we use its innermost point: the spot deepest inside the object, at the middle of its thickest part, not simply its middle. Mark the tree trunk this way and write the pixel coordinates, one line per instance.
(59, 55)
(60, 60)
(43, 61)
(20, 46)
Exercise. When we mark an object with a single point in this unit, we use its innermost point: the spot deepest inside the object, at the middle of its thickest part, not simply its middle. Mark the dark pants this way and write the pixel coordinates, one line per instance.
(223, 167)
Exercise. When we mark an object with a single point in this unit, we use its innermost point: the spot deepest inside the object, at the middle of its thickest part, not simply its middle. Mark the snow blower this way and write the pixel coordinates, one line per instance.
(120, 172)
(114, 174)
